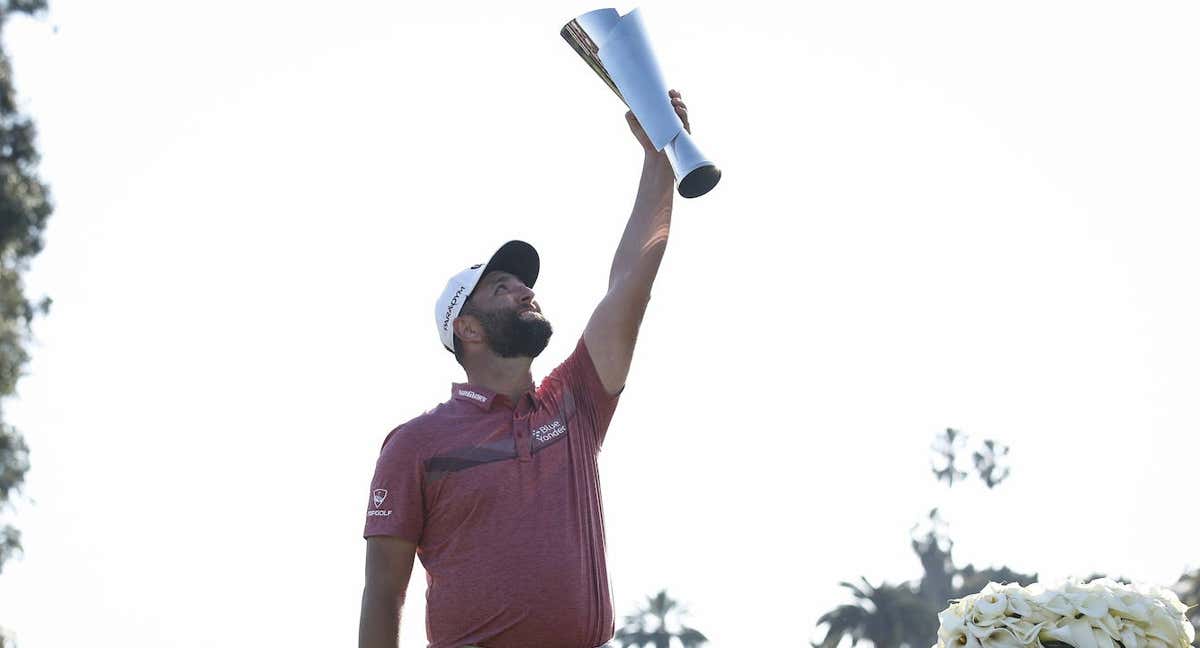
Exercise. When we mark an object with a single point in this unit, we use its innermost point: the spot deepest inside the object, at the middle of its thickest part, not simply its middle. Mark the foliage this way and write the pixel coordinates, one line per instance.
(648, 627)
(24, 208)
(946, 448)
(987, 463)
(887, 615)
(31, 7)
(14, 461)
(905, 615)
(988, 460)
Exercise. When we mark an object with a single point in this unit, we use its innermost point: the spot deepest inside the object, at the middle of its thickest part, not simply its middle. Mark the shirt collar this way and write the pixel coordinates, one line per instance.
(481, 397)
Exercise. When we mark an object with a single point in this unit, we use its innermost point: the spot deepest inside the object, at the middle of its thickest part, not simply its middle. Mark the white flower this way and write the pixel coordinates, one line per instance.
(1017, 604)
(1059, 631)
(952, 628)
(1055, 602)
(1090, 604)
(1130, 606)
(1169, 597)
(1082, 634)
(1165, 628)
(951, 619)
(1024, 630)
(980, 630)
(1039, 614)
(957, 639)
(952, 639)
(1132, 636)
(990, 606)
(1155, 642)
(1098, 614)
(1111, 625)
(1103, 640)
(1000, 638)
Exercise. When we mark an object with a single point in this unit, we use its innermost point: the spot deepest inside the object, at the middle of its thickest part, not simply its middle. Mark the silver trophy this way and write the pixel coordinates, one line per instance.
(618, 49)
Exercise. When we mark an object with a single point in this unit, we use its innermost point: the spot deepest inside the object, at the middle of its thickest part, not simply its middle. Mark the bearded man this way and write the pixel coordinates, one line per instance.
(497, 488)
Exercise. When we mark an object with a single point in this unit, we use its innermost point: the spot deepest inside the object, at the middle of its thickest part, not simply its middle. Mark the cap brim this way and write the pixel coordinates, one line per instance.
(517, 258)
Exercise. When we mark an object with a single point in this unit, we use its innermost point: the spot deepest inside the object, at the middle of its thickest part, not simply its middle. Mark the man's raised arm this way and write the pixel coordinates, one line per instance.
(612, 331)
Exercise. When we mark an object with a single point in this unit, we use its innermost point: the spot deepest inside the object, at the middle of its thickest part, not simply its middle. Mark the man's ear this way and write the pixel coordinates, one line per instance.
(467, 328)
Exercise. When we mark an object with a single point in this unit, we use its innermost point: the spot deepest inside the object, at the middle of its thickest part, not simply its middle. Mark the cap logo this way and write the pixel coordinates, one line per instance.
(450, 307)
(476, 266)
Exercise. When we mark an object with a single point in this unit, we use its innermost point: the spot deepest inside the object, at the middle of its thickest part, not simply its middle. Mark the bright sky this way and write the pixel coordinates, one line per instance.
(933, 214)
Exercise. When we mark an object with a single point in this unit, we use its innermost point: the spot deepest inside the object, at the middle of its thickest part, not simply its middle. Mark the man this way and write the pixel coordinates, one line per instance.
(497, 489)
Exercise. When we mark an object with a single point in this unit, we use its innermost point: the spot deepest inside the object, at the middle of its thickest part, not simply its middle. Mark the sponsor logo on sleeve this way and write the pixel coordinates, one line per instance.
(377, 496)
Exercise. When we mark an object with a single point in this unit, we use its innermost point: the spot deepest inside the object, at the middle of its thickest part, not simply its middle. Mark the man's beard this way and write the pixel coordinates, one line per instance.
(511, 336)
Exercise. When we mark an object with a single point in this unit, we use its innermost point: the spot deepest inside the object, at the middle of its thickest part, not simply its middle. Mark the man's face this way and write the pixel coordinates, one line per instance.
(513, 324)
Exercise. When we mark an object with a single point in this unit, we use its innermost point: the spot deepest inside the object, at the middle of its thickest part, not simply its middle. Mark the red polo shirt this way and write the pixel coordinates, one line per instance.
(503, 502)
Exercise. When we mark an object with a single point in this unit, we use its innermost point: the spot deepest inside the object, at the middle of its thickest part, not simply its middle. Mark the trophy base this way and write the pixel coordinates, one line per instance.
(700, 181)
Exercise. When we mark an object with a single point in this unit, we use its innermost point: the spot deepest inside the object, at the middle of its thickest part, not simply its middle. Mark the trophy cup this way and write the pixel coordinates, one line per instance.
(618, 49)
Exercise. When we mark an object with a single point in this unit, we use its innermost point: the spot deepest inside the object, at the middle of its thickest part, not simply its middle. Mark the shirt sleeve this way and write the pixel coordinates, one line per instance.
(576, 384)
(396, 506)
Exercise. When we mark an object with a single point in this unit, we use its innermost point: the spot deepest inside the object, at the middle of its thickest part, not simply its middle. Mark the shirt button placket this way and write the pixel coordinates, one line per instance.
(521, 431)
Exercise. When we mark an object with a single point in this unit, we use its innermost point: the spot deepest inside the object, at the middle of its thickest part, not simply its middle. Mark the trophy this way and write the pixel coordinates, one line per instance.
(618, 49)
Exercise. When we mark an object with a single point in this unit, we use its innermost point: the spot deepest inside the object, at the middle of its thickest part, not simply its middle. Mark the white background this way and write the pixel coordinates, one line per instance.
(937, 214)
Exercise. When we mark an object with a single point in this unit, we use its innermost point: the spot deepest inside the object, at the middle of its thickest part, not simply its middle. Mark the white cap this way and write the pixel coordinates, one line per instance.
(515, 257)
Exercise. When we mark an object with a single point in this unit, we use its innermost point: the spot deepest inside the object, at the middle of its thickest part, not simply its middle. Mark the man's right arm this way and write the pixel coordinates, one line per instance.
(389, 566)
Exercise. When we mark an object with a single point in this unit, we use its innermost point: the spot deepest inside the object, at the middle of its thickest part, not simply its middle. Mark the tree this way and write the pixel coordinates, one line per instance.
(24, 208)
(905, 615)
(988, 460)
(887, 615)
(648, 627)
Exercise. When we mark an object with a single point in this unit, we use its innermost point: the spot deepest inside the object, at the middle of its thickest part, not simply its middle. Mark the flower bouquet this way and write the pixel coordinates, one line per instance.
(1099, 614)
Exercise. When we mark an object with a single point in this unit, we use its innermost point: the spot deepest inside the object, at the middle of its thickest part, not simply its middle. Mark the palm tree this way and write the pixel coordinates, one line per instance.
(647, 628)
(905, 615)
(888, 616)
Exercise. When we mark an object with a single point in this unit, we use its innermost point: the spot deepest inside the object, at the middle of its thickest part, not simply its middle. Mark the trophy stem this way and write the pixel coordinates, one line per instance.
(694, 174)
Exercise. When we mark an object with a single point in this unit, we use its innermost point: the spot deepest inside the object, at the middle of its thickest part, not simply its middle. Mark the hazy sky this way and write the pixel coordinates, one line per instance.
(933, 214)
